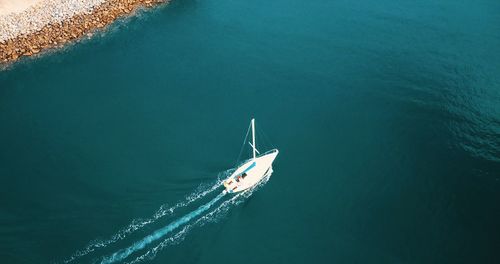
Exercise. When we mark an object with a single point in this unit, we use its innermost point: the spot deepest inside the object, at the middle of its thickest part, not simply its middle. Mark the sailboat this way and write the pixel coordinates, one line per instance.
(253, 170)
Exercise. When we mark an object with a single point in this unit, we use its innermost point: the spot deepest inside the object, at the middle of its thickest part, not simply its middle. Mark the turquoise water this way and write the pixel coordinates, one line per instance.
(386, 115)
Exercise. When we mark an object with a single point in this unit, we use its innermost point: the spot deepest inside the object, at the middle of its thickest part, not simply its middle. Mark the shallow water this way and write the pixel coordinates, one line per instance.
(386, 114)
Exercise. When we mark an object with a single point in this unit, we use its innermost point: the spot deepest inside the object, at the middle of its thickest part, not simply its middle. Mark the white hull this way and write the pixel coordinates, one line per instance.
(251, 172)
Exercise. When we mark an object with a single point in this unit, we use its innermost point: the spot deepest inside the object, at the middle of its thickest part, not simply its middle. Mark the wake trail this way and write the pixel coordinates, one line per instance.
(140, 223)
(177, 237)
(211, 216)
(158, 234)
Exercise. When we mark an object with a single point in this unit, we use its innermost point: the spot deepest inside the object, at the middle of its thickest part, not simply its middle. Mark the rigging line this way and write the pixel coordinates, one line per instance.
(264, 143)
(266, 138)
(243, 145)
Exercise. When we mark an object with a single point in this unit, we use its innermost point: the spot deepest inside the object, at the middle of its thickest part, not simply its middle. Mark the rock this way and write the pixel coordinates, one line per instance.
(58, 21)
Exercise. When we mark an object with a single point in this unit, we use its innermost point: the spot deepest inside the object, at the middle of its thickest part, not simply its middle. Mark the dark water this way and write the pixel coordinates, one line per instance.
(386, 114)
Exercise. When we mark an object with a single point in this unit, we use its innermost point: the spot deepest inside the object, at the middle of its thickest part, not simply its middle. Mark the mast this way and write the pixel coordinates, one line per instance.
(253, 137)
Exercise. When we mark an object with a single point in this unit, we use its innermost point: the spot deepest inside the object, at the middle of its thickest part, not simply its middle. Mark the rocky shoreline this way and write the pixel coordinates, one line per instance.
(57, 33)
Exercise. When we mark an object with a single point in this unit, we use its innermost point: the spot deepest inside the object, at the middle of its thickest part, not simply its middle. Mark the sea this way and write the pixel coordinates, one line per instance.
(386, 115)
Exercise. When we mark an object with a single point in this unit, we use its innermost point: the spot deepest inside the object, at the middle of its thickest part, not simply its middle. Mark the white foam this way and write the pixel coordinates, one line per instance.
(137, 224)
(212, 216)
(158, 234)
